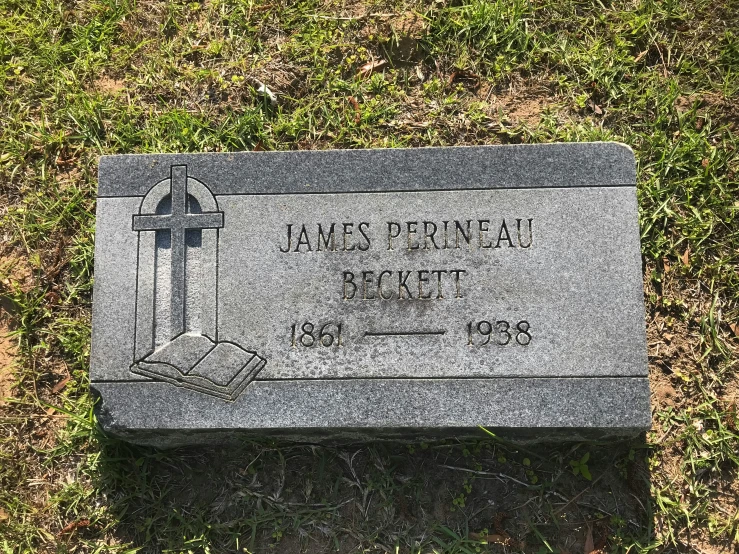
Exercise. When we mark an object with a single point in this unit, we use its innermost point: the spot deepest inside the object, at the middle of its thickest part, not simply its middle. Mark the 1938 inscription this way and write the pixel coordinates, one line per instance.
(499, 332)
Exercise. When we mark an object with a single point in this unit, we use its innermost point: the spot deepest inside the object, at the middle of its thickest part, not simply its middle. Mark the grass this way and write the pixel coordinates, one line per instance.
(82, 79)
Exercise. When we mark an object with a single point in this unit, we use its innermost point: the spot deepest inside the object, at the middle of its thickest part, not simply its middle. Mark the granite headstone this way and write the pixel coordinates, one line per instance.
(392, 293)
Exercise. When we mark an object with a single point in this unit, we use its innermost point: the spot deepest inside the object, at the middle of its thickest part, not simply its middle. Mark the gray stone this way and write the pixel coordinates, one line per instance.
(351, 293)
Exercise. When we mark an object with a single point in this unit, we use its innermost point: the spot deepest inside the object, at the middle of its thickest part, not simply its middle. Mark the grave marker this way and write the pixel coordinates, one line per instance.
(388, 292)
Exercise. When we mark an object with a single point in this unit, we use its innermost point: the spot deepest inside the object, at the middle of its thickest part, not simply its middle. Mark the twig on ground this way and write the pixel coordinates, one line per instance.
(492, 474)
(578, 495)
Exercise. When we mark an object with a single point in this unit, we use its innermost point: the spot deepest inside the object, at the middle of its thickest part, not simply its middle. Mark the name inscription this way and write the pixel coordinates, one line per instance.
(407, 284)
(409, 235)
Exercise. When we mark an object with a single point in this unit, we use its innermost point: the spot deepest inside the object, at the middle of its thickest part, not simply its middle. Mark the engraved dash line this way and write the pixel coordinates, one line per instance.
(403, 333)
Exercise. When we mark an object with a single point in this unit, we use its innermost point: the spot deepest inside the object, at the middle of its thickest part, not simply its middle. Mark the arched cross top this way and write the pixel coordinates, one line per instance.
(177, 223)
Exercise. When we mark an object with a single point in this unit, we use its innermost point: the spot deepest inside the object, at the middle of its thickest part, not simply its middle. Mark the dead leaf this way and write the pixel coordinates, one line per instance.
(355, 105)
(589, 544)
(267, 93)
(734, 329)
(500, 536)
(595, 107)
(73, 526)
(4, 515)
(668, 337)
(60, 385)
(62, 162)
(686, 256)
(367, 69)
(258, 147)
(50, 410)
(263, 90)
(666, 265)
(640, 56)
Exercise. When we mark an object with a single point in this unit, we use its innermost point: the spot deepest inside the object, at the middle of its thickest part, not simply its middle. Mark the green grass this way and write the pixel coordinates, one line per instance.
(83, 79)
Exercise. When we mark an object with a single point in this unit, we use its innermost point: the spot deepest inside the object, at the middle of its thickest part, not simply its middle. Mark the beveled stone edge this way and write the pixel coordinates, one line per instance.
(552, 165)
(577, 406)
(176, 438)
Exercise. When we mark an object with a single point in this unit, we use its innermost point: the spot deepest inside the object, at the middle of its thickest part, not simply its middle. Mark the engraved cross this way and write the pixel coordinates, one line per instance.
(177, 222)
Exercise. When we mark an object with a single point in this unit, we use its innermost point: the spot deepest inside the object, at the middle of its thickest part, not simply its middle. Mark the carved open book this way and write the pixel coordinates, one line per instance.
(195, 362)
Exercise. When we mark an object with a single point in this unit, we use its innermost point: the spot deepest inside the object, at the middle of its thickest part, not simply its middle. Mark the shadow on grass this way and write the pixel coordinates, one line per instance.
(454, 496)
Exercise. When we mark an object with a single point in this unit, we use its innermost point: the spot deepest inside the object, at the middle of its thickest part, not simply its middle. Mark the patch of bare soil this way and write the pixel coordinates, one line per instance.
(673, 342)
(393, 37)
(709, 106)
(108, 85)
(726, 503)
(7, 358)
(730, 394)
(670, 347)
(146, 20)
(729, 398)
(15, 274)
(15, 271)
(409, 23)
(350, 8)
(524, 107)
(665, 393)
(408, 28)
(675, 354)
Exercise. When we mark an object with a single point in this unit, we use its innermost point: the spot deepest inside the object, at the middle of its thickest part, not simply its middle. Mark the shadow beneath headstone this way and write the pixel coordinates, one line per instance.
(269, 496)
